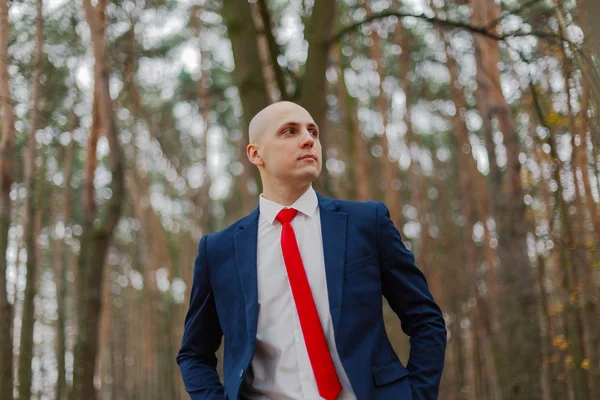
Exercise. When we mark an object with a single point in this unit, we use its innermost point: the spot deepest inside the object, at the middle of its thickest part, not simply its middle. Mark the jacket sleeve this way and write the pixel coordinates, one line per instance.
(406, 290)
(202, 336)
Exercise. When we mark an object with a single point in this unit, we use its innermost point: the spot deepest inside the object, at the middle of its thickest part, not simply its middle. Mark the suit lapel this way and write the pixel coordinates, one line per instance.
(245, 243)
(333, 229)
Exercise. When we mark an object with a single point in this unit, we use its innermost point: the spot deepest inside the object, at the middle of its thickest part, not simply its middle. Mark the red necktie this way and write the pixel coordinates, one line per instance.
(320, 359)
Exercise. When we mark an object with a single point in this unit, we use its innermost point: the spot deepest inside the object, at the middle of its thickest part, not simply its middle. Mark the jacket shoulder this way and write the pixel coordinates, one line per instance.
(225, 234)
(358, 207)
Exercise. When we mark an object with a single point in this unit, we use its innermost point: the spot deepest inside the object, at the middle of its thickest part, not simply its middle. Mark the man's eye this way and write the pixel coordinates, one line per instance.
(314, 132)
(288, 130)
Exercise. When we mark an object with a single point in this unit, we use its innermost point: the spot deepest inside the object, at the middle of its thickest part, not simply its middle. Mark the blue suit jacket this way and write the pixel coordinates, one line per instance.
(364, 259)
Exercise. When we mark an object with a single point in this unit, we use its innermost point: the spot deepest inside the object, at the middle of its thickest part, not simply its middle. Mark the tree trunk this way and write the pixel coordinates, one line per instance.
(7, 145)
(60, 262)
(581, 261)
(522, 380)
(267, 50)
(357, 154)
(551, 355)
(587, 307)
(30, 206)
(204, 106)
(561, 259)
(95, 240)
(313, 87)
(467, 176)
(313, 90)
(389, 168)
(273, 52)
(250, 83)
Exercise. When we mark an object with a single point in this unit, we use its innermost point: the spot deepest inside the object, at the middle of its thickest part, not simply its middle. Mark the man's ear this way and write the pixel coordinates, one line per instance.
(253, 156)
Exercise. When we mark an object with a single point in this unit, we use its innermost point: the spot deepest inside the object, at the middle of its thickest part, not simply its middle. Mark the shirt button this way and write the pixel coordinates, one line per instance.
(241, 372)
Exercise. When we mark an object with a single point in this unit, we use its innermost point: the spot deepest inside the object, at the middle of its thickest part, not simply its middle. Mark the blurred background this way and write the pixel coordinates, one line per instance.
(123, 131)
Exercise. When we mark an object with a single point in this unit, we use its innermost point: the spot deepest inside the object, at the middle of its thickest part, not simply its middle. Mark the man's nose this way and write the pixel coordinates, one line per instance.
(307, 139)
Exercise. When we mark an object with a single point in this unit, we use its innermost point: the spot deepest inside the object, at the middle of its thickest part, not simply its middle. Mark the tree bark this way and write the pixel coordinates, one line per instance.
(467, 176)
(522, 380)
(389, 168)
(357, 154)
(30, 206)
(313, 87)
(7, 145)
(60, 262)
(96, 237)
(250, 83)
(313, 90)
(561, 259)
(274, 52)
(204, 107)
(581, 261)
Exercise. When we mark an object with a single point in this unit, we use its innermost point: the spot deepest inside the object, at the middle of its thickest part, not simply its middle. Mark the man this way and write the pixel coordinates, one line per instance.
(296, 289)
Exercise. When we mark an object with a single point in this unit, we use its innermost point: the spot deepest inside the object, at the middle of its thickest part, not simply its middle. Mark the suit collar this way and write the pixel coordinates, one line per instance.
(306, 204)
(328, 203)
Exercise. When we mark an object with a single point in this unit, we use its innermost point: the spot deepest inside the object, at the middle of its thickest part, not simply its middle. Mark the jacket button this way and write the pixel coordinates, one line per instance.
(241, 372)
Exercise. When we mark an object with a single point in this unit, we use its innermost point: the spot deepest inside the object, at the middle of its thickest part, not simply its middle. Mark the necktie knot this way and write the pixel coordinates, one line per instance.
(286, 215)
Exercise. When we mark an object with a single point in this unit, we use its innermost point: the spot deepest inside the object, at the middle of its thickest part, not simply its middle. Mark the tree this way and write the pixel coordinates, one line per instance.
(97, 229)
(7, 146)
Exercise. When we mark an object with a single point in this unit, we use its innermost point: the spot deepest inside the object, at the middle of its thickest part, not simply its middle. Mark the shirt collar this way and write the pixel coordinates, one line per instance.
(306, 204)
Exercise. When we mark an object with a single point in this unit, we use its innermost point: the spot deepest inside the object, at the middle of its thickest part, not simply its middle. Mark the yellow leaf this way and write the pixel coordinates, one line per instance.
(558, 340)
(585, 364)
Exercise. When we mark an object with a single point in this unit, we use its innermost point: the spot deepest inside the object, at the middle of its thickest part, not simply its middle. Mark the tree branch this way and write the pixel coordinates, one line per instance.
(399, 14)
(273, 48)
(481, 30)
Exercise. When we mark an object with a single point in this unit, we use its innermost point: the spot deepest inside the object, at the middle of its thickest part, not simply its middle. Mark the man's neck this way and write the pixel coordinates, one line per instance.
(284, 195)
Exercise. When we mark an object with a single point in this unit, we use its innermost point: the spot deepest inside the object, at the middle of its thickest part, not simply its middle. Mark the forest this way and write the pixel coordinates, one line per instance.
(123, 134)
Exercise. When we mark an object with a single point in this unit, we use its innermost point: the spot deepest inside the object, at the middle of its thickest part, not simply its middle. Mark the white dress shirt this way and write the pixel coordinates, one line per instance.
(281, 368)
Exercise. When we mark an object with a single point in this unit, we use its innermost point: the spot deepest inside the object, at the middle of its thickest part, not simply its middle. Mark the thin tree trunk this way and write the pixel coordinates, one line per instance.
(60, 269)
(26, 343)
(313, 87)
(265, 40)
(95, 240)
(561, 255)
(104, 366)
(204, 107)
(389, 168)
(357, 154)
(250, 82)
(411, 140)
(7, 145)
(274, 53)
(468, 175)
(587, 307)
(556, 389)
(313, 90)
(523, 379)
(581, 266)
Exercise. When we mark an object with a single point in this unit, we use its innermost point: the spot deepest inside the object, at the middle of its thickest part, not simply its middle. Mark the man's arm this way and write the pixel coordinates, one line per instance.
(201, 337)
(405, 288)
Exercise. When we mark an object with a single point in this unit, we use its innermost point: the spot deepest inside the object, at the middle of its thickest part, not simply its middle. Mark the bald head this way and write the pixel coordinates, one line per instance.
(284, 144)
(272, 116)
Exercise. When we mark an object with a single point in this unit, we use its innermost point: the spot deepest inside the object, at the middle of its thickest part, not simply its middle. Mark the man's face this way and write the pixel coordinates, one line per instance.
(288, 147)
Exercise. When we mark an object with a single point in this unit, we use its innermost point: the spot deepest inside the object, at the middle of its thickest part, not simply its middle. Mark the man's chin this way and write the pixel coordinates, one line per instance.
(308, 176)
